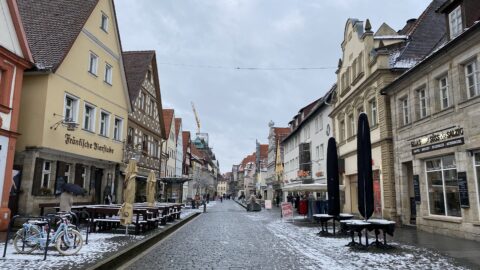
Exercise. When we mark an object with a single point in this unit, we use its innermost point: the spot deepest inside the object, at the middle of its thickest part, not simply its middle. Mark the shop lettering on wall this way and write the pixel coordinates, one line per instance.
(70, 139)
(438, 140)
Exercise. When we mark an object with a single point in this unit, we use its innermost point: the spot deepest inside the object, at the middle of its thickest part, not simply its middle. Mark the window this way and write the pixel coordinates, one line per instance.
(405, 111)
(117, 129)
(360, 63)
(130, 135)
(442, 184)
(322, 153)
(351, 125)
(104, 123)
(84, 171)
(67, 172)
(155, 148)
(108, 74)
(455, 22)
(317, 152)
(145, 143)
(307, 132)
(354, 69)
(476, 164)
(70, 109)
(373, 112)
(46, 172)
(422, 102)
(92, 68)
(142, 100)
(89, 118)
(104, 23)
(443, 87)
(342, 130)
(471, 79)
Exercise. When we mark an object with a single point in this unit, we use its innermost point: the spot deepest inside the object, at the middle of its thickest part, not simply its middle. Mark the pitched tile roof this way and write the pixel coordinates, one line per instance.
(196, 153)
(167, 120)
(186, 142)
(424, 36)
(136, 66)
(263, 151)
(52, 27)
(178, 123)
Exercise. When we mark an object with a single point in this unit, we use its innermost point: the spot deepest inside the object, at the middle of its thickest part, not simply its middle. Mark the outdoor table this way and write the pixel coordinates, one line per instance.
(358, 226)
(386, 226)
(323, 219)
(342, 216)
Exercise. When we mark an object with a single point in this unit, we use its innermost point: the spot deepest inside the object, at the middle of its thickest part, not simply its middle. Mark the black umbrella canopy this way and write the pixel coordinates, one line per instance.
(333, 179)
(73, 188)
(364, 166)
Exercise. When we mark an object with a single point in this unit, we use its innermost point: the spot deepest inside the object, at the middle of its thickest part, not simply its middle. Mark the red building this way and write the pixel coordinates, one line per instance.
(15, 57)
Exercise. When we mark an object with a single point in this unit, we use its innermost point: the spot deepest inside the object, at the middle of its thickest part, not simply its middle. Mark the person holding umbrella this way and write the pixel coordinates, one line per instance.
(66, 198)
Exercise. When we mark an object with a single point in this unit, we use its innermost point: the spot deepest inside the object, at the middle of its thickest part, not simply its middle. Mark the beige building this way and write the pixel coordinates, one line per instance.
(435, 109)
(75, 102)
(369, 62)
(222, 187)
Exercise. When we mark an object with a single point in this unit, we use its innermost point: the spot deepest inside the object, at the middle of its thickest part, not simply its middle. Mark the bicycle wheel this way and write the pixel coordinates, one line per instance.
(69, 243)
(29, 244)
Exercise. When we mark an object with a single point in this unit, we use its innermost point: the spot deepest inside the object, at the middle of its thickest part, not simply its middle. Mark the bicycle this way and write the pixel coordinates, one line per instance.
(33, 235)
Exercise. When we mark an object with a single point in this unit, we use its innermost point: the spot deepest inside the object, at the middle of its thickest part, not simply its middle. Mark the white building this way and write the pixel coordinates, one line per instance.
(306, 146)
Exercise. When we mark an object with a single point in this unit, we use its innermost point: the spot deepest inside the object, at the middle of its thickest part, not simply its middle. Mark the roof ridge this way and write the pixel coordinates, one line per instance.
(420, 19)
(139, 51)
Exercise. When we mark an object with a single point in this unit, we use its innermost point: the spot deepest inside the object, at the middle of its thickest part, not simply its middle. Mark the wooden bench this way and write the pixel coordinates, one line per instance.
(42, 206)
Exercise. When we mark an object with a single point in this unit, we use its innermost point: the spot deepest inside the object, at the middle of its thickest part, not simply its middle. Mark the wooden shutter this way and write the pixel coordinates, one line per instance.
(78, 174)
(37, 176)
(92, 178)
(60, 177)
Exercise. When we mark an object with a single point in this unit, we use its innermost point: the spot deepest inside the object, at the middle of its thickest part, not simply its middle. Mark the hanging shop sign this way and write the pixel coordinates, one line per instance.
(463, 189)
(438, 140)
(86, 144)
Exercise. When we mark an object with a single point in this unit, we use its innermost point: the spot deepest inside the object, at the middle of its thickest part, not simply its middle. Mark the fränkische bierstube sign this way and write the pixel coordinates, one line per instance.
(69, 139)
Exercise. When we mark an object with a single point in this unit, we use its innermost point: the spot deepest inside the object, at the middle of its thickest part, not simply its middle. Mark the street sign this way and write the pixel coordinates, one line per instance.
(287, 211)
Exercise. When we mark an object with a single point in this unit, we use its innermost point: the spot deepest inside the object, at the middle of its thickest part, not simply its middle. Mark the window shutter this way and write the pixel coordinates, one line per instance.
(37, 176)
(60, 177)
(92, 178)
(78, 174)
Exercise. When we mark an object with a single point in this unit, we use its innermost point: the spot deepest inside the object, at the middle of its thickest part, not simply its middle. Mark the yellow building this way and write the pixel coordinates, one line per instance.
(75, 102)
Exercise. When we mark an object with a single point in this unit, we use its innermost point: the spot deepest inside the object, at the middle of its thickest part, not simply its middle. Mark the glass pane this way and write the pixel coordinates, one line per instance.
(435, 178)
(433, 164)
(477, 159)
(453, 201)
(435, 194)
(449, 162)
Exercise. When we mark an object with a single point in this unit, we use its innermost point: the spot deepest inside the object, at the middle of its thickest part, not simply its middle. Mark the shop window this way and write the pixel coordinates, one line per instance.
(46, 173)
(443, 194)
(471, 79)
(444, 96)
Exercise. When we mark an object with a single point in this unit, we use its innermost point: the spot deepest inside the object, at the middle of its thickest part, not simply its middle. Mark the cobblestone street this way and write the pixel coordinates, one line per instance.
(228, 237)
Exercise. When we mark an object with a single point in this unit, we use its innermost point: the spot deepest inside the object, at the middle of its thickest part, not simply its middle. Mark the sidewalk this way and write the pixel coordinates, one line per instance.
(465, 252)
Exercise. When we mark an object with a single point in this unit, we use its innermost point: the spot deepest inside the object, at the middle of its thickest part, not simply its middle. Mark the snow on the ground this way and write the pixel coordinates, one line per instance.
(332, 253)
(99, 245)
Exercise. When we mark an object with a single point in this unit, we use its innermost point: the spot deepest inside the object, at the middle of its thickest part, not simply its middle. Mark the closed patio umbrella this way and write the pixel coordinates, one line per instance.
(333, 187)
(126, 210)
(364, 166)
(151, 187)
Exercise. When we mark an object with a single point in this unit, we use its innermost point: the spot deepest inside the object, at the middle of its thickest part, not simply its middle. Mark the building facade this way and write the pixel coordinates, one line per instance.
(369, 62)
(15, 57)
(145, 128)
(274, 177)
(435, 106)
(74, 80)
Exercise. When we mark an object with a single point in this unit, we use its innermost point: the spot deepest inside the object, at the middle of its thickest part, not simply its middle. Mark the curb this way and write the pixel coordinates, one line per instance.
(113, 262)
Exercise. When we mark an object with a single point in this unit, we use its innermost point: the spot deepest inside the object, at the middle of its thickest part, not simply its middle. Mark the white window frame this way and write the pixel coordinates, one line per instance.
(372, 104)
(351, 125)
(422, 102)
(91, 122)
(93, 64)
(108, 73)
(117, 129)
(342, 130)
(474, 77)
(317, 152)
(84, 176)
(74, 108)
(106, 124)
(46, 172)
(68, 172)
(455, 22)
(443, 184)
(322, 152)
(405, 108)
(444, 95)
(104, 22)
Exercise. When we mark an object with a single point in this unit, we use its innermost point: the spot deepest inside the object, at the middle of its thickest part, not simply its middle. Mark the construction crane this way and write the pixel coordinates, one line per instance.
(196, 118)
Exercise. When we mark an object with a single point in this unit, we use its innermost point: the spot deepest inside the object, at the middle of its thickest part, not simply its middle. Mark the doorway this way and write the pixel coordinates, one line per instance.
(353, 193)
(98, 185)
(411, 206)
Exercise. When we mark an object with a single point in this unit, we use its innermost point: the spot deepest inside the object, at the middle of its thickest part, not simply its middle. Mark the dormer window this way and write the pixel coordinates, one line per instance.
(455, 22)
(104, 23)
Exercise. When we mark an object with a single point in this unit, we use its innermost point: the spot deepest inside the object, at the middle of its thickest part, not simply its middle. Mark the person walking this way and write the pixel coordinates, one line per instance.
(66, 201)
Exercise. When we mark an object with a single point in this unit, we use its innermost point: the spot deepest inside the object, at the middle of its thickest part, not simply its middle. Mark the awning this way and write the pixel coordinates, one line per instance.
(305, 187)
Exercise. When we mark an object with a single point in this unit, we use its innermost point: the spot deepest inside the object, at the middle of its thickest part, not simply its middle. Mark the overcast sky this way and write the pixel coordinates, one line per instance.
(199, 44)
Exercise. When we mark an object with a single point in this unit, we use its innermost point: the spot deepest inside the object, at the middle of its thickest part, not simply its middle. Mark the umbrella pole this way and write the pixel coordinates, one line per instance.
(126, 229)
